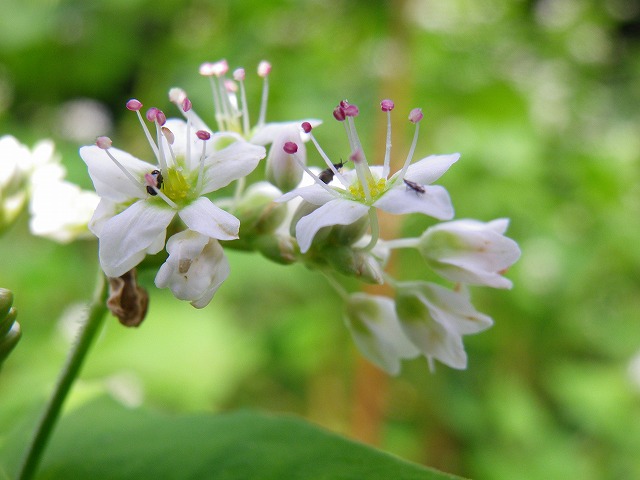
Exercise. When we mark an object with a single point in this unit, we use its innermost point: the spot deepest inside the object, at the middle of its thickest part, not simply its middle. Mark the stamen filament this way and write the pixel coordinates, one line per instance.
(328, 161)
(128, 174)
(263, 102)
(387, 153)
(201, 169)
(245, 110)
(410, 155)
(217, 107)
(154, 147)
(161, 159)
(363, 173)
(314, 176)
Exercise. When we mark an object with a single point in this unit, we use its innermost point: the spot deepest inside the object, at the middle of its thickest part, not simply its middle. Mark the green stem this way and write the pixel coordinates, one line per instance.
(65, 381)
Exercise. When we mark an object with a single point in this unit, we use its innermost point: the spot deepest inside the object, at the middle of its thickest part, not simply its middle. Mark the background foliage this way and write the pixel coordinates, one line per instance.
(540, 97)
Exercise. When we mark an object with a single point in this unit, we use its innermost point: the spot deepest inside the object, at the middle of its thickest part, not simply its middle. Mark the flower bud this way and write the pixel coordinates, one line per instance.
(376, 331)
(355, 263)
(282, 169)
(257, 211)
(276, 247)
(9, 329)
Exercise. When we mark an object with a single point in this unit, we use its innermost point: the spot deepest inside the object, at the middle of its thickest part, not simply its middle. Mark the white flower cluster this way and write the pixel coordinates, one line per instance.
(60, 210)
(326, 219)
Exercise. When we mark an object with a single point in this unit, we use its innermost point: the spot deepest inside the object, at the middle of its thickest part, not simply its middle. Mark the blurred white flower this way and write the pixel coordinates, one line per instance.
(61, 210)
(435, 319)
(375, 329)
(20, 167)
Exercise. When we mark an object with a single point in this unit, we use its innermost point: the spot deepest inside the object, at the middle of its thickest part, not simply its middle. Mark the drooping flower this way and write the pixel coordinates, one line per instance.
(375, 329)
(470, 251)
(232, 116)
(139, 199)
(195, 268)
(346, 197)
(434, 319)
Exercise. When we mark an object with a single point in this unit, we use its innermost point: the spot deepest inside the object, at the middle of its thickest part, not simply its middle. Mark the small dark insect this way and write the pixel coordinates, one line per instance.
(416, 187)
(159, 180)
(327, 175)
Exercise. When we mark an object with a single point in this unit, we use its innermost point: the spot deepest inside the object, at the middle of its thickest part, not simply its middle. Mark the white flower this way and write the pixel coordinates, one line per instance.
(195, 268)
(139, 199)
(375, 328)
(470, 251)
(435, 319)
(19, 167)
(61, 210)
(353, 194)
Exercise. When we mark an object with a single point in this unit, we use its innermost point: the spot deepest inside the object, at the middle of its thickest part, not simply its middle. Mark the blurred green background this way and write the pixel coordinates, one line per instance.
(540, 97)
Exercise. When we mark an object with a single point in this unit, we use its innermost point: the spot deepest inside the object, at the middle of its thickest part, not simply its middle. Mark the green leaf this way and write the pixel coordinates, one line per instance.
(104, 440)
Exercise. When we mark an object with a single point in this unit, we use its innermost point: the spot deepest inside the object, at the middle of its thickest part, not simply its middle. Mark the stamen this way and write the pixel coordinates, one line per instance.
(135, 105)
(238, 76)
(159, 118)
(386, 106)
(168, 134)
(264, 68)
(306, 127)
(291, 148)
(363, 173)
(209, 70)
(152, 183)
(104, 143)
(204, 136)
(414, 117)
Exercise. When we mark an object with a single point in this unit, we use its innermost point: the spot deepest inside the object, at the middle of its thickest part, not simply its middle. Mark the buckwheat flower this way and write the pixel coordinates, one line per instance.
(140, 199)
(345, 197)
(435, 319)
(470, 251)
(19, 166)
(195, 268)
(376, 330)
(61, 210)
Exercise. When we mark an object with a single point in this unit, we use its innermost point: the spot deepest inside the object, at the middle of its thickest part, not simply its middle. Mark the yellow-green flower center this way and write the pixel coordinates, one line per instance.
(376, 188)
(175, 185)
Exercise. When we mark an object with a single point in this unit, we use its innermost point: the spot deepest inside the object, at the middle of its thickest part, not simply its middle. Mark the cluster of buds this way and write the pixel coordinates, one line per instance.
(326, 219)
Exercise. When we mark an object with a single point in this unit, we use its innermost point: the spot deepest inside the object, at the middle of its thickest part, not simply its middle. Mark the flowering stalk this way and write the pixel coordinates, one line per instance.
(68, 375)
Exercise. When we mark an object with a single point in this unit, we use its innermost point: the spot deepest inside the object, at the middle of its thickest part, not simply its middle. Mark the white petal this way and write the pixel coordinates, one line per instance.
(431, 168)
(435, 201)
(204, 217)
(105, 210)
(109, 181)
(335, 212)
(125, 238)
(231, 163)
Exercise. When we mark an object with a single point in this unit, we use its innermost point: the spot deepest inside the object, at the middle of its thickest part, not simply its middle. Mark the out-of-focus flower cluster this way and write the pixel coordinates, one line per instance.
(178, 207)
(60, 210)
